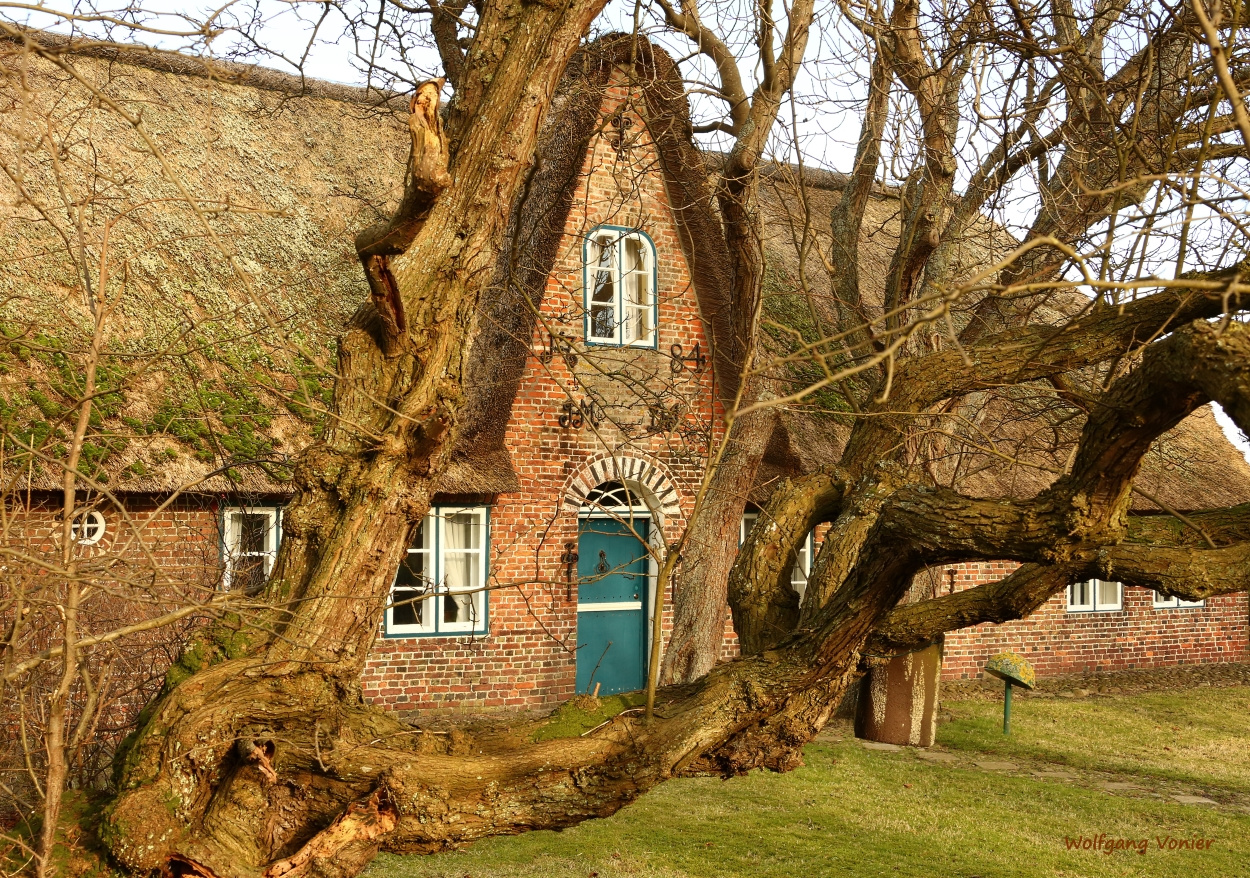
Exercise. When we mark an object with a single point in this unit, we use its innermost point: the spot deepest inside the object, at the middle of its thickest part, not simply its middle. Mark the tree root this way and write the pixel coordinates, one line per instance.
(343, 847)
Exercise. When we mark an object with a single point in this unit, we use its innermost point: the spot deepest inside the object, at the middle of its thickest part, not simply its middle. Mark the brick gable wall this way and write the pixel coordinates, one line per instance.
(527, 659)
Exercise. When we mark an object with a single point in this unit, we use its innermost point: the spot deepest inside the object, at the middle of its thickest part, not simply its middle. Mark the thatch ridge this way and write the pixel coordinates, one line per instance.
(199, 66)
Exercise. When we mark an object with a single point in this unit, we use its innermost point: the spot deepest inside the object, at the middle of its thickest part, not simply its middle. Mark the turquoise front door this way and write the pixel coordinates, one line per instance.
(611, 605)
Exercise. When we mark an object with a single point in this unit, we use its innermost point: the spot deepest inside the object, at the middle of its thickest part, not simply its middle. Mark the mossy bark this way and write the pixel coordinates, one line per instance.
(267, 763)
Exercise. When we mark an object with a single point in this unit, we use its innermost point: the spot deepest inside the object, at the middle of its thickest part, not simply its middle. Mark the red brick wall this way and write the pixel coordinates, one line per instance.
(1138, 636)
(527, 658)
(149, 561)
(153, 541)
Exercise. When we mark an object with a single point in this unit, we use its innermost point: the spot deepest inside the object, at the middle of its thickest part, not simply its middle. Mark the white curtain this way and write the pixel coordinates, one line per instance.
(1108, 593)
(637, 283)
(461, 547)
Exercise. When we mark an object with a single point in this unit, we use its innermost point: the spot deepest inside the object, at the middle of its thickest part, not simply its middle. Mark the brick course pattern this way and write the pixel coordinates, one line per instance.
(653, 426)
(1057, 642)
(527, 659)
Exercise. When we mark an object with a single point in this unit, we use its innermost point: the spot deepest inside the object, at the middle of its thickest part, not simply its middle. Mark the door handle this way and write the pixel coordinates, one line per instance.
(635, 596)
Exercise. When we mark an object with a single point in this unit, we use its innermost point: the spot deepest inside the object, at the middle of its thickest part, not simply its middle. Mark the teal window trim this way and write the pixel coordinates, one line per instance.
(435, 628)
(618, 297)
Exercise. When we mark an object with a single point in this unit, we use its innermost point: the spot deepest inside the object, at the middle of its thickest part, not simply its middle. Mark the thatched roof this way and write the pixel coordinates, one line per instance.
(255, 285)
(1020, 437)
(246, 286)
(250, 290)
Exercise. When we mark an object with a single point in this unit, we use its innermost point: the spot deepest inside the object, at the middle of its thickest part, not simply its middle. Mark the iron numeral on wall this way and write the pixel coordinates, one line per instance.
(616, 134)
(557, 344)
(696, 362)
(664, 419)
(576, 414)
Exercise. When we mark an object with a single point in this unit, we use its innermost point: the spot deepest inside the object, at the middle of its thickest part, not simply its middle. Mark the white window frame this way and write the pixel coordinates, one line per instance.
(1080, 602)
(603, 236)
(802, 564)
(1163, 601)
(88, 527)
(230, 554)
(432, 624)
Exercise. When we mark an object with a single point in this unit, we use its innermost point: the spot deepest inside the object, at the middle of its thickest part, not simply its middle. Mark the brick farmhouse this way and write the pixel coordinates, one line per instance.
(594, 392)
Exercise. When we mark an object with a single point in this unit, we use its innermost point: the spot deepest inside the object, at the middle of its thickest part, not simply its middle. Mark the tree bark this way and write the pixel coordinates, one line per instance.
(193, 778)
(701, 608)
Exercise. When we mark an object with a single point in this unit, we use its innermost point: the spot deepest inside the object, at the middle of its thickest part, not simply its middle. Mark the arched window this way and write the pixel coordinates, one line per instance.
(612, 495)
(619, 282)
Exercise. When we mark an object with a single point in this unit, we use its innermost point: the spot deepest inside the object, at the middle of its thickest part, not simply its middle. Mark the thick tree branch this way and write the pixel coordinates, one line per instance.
(710, 44)
(914, 626)
(765, 606)
(847, 220)
(1033, 352)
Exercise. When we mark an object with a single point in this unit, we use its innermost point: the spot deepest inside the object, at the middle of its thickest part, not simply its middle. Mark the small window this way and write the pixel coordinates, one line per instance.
(802, 564)
(250, 537)
(620, 288)
(1172, 602)
(87, 528)
(1094, 596)
(440, 586)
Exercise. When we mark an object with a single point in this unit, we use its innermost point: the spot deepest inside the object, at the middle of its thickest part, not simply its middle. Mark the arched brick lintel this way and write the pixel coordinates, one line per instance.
(643, 475)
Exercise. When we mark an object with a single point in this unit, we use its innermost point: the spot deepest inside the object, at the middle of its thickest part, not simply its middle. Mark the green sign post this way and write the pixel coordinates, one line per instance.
(1011, 668)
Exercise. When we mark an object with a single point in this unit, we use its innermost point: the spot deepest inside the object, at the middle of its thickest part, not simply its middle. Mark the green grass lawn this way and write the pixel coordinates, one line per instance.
(851, 811)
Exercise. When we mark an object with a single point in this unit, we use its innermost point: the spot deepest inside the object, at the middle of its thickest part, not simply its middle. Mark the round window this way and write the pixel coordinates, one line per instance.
(88, 528)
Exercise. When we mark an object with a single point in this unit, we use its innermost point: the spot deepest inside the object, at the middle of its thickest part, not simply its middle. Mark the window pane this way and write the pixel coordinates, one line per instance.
(603, 291)
(423, 537)
(1108, 593)
(414, 571)
(462, 545)
(1079, 594)
(603, 249)
(637, 325)
(252, 531)
(603, 322)
(634, 258)
(748, 522)
(413, 581)
(636, 279)
(408, 607)
(604, 302)
(799, 573)
(249, 574)
(458, 609)
(462, 531)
